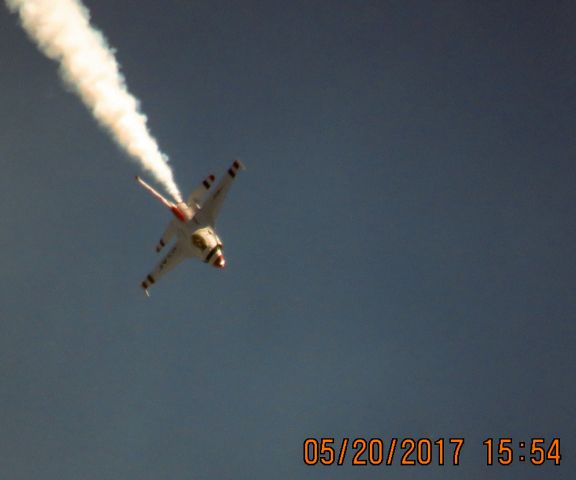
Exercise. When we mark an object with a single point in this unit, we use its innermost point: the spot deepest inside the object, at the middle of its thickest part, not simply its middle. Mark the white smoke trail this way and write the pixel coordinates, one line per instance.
(62, 31)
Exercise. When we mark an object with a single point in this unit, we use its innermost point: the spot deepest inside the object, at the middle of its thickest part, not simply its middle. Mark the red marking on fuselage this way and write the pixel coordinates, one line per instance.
(178, 213)
(220, 262)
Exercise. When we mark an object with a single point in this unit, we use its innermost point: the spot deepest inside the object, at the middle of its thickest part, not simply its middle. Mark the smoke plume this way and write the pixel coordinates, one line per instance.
(62, 31)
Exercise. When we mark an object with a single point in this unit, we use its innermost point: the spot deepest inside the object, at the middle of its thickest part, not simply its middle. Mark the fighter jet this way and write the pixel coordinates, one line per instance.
(193, 226)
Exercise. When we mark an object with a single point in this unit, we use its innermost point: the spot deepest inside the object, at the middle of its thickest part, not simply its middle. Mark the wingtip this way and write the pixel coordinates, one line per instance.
(145, 286)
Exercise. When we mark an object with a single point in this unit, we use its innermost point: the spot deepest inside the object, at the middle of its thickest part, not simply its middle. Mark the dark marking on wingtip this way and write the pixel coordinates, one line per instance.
(209, 180)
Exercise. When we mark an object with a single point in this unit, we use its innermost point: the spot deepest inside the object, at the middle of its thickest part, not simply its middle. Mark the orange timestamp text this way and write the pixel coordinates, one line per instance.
(426, 451)
(376, 451)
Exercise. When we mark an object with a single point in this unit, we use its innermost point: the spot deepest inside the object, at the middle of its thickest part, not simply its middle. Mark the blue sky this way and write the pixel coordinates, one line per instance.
(400, 248)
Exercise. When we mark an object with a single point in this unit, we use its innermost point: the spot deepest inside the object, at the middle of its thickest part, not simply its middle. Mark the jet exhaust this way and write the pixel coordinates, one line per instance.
(62, 31)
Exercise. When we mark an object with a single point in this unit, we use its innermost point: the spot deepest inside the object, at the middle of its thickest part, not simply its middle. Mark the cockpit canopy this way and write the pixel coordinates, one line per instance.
(209, 246)
(199, 241)
(204, 238)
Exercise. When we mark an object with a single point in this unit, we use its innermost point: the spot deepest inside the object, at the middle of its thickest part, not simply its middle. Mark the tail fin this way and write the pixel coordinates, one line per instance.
(154, 193)
(179, 214)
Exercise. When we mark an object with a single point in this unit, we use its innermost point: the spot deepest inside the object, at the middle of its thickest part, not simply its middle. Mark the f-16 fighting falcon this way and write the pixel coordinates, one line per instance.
(193, 226)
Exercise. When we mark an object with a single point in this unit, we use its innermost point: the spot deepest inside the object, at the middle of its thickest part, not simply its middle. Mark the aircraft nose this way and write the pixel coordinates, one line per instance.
(220, 262)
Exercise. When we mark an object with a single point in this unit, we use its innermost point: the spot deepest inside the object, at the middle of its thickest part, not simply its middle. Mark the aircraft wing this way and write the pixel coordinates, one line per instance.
(196, 195)
(167, 235)
(172, 258)
(213, 204)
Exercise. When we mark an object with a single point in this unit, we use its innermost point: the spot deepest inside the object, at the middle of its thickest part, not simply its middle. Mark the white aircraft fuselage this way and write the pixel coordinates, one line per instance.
(201, 241)
(193, 226)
